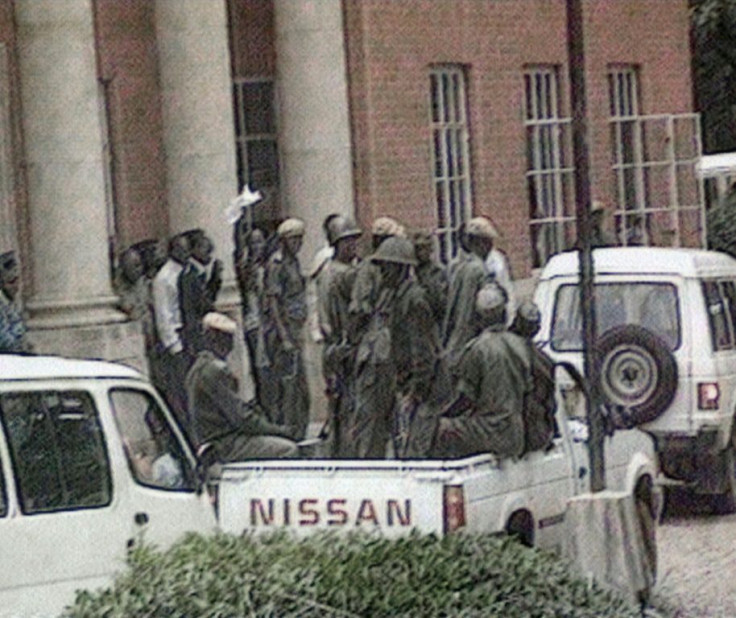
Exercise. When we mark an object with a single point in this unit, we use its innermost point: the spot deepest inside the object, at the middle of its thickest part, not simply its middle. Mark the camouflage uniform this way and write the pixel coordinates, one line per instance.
(374, 375)
(495, 375)
(285, 283)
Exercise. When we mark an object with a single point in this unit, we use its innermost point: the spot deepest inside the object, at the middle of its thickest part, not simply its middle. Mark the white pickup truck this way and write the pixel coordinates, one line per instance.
(91, 462)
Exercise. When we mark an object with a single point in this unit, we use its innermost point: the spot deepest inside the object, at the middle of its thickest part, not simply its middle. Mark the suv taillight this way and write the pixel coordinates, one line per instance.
(454, 508)
(708, 395)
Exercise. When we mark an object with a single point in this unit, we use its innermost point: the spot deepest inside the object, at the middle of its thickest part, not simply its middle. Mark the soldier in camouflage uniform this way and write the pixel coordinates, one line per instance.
(421, 386)
(370, 423)
(285, 316)
(495, 380)
(431, 276)
(469, 276)
(339, 351)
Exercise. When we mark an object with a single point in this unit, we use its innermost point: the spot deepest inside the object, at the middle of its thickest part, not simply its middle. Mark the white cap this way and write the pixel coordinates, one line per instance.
(219, 322)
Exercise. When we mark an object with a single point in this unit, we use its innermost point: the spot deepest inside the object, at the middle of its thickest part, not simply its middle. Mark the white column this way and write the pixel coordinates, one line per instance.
(63, 153)
(199, 130)
(314, 129)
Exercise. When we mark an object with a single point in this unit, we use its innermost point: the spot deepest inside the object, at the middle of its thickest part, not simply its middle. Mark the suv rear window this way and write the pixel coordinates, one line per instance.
(650, 305)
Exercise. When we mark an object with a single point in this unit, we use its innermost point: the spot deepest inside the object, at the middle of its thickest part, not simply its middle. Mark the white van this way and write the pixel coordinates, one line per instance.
(666, 343)
(90, 464)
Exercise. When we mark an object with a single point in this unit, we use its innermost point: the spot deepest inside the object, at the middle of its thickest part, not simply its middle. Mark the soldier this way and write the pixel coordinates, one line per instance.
(338, 353)
(421, 386)
(250, 270)
(540, 405)
(431, 276)
(459, 325)
(285, 316)
(238, 429)
(494, 381)
(13, 329)
(134, 292)
(368, 315)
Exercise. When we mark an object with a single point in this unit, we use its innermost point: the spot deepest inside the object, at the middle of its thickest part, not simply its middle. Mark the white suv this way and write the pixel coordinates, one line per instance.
(666, 343)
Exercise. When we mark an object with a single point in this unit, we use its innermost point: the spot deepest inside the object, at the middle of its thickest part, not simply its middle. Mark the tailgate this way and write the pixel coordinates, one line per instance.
(389, 496)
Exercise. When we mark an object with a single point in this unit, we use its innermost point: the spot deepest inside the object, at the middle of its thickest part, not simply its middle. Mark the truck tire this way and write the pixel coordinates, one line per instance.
(521, 526)
(638, 373)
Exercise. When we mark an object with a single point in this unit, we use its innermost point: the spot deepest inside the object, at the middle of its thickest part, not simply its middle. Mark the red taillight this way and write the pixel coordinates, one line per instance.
(708, 395)
(454, 508)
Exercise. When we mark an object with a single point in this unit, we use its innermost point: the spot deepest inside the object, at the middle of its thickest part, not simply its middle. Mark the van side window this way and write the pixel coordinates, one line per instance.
(728, 290)
(57, 449)
(720, 333)
(155, 456)
(3, 495)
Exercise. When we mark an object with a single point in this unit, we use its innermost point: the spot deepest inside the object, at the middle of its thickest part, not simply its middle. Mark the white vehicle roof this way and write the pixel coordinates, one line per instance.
(710, 166)
(15, 367)
(645, 260)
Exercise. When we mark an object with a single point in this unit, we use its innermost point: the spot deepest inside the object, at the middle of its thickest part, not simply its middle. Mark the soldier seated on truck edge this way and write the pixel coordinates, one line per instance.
(494, 381)
(239, 430)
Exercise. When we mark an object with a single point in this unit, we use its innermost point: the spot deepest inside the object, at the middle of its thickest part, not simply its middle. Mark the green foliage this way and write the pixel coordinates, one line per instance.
(714, 68)
(360, 575)
(721, 226)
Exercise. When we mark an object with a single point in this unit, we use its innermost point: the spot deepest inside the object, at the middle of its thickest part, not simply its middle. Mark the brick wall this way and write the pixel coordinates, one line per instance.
(128, 65)
(392, 44)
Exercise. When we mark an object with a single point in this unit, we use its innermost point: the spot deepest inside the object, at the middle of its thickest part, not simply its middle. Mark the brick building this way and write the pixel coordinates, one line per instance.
(129, 119)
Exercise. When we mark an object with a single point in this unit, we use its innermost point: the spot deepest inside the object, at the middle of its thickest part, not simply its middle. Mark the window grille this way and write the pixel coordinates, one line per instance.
(549, 177)
(658, 195)
(255, 134)
(627, 142)
(450, 148)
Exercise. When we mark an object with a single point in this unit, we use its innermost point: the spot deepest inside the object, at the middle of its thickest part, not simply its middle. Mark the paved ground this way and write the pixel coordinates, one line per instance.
(697, 560)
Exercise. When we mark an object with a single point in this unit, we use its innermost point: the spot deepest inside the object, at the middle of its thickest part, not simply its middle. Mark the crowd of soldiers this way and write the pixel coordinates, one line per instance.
(419, 359)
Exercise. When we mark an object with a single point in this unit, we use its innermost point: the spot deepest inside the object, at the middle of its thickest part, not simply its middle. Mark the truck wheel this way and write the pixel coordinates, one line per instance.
(725, 502)
(646, 512)
(638, 373)
(521, 526)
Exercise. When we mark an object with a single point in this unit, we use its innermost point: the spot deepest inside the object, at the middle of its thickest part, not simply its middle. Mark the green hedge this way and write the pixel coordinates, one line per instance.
(361, 575)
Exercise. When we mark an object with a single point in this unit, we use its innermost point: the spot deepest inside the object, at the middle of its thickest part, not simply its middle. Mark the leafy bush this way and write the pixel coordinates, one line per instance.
(360, 575)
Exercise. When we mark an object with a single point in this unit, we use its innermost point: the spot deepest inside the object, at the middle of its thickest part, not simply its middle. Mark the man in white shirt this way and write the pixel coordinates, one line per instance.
(497, 265)
(167, 310)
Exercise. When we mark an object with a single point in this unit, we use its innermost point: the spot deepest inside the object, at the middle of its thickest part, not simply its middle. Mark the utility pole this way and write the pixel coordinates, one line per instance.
(581, 156)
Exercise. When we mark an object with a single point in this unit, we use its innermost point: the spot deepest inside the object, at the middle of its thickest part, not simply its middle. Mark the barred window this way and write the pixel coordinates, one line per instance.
(627, 141)
(549, 176)
(450, 147)
(255, 133)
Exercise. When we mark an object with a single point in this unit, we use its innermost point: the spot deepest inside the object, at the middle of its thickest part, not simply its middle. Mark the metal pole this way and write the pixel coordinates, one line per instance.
(576, 68)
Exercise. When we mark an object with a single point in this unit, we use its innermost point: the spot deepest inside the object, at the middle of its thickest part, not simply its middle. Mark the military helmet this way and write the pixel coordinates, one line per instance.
(342, 227)
(490, 298)
(291, 227)
(482, 227)
(395, 250)
(529, 312)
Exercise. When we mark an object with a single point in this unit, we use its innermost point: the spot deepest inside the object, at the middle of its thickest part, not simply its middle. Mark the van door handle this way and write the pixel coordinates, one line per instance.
(141, 519)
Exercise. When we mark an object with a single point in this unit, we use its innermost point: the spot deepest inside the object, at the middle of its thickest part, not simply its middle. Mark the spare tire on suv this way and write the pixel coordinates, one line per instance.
(638, 374)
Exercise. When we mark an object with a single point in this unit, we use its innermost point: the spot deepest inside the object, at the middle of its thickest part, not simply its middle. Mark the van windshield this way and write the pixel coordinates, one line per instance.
(651, 305)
